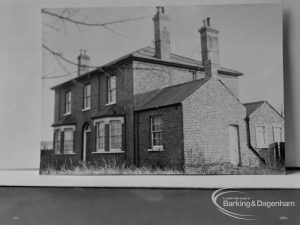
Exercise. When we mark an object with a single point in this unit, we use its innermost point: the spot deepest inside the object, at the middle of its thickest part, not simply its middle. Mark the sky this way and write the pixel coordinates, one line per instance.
(250, 41)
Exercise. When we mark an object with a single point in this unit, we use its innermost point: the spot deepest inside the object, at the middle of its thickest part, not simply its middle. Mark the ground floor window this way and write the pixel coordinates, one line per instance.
(57, 141)
(64, 140)
(156, 133)
(109, 135)
(68, 141)
(260, 132)
(278, 134)
(100, 130)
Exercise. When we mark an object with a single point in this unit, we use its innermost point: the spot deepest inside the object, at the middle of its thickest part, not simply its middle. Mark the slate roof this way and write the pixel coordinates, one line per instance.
(173, 94)
(147, 54)
(252, 106)
(66, 120)
(113, 110)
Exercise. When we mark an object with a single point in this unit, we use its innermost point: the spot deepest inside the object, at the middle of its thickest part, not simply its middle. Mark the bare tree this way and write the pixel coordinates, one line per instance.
(72, 16)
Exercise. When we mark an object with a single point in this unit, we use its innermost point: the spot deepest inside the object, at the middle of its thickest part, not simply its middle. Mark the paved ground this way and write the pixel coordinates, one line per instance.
(83, 206)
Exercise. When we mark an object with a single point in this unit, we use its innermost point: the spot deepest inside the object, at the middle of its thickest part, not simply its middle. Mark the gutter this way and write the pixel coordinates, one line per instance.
(263, 161)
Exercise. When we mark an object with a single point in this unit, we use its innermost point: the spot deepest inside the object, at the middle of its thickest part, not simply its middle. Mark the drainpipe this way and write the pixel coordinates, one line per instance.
(136, 139)
(263, 161)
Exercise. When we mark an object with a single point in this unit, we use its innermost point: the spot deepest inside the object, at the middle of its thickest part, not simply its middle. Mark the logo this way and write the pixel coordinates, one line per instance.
(239, 205)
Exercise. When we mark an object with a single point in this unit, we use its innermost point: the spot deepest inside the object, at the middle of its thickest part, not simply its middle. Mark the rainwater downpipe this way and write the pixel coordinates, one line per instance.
(249, 142)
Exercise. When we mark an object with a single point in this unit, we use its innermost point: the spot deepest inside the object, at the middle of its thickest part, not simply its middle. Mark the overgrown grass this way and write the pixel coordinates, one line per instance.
(112, 167)
(229, 169)
(105, 167)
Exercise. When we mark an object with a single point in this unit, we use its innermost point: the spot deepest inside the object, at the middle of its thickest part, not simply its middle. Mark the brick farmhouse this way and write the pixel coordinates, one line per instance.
(152, 107)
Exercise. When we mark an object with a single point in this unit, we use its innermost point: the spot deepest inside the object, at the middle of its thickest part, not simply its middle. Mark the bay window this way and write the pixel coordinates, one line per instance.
(109, 135)
(64, 139)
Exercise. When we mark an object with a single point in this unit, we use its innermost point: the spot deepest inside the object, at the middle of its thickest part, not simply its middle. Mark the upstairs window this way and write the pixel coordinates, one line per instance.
(111, 90)
(278, 134)
(68, 141)
(68, 99)
(87, 96)
(260, 132)
(156, 133)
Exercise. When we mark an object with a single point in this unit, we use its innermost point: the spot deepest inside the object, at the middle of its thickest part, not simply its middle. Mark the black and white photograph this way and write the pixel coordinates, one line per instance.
(164, 90)
(149, 112)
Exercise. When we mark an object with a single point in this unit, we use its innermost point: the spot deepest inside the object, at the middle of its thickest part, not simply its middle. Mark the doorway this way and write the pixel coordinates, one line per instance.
(234, 145)
(86, 140)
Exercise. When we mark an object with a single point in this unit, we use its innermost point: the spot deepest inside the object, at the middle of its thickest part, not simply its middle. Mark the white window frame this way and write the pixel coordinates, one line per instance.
(107, 121)
(57, 135)
(98, 124)
(156, 147)
(281, 132)
(68, 102)
(261, 145)
(115, 135)
(62, 129)
(71, 141)
(87, 97)
(111, 90)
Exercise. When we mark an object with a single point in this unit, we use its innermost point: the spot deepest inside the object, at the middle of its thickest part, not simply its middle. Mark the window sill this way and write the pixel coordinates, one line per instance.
(65, 153)
(110, 103)
(260, 147)
(109, 152)
(156, 149)
(85, 109)
(67, 114)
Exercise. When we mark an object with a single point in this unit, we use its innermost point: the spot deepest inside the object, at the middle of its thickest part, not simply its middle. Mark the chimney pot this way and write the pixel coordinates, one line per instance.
(209, 48)
(161, 34)
(83, 62)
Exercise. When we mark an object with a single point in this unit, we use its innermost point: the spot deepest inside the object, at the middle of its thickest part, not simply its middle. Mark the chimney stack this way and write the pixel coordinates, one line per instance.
(83, 62)
(209, 48)
(161, 34)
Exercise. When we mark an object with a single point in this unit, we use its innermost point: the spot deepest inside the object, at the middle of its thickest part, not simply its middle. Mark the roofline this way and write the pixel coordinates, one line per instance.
(248, 103)
(131, 57)
(105, 116)
(263, 101)
(203, 79)
(158, 107)
(62, 124)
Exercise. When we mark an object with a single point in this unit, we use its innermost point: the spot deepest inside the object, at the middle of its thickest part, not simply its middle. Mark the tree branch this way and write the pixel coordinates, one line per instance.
(62, 17)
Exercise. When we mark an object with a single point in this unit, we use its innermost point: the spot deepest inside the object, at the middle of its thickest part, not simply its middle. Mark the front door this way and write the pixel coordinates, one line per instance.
(86, 132)
(234, 145)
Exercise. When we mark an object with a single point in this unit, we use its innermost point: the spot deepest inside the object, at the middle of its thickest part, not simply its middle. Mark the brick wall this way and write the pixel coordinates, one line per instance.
(207, 114)
(172, 156)
(148, 77)
(232, 83)
(124, 99)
